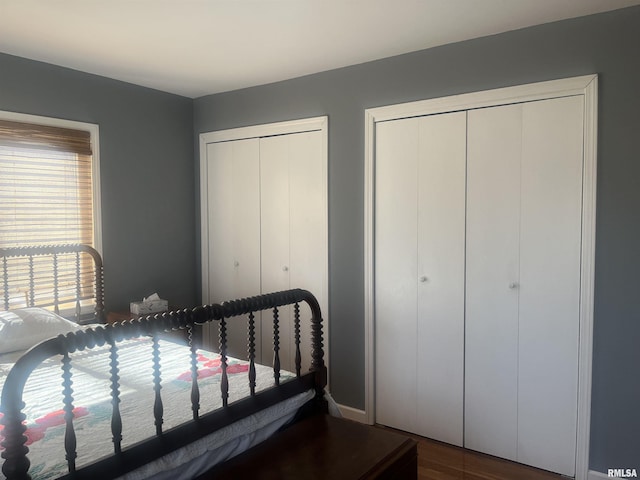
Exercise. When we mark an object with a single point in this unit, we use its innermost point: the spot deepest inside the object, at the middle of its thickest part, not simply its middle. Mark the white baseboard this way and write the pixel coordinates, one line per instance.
(353, 413)
(593, 475)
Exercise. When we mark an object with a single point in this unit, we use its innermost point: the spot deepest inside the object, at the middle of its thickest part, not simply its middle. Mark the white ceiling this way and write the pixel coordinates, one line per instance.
(199, 47)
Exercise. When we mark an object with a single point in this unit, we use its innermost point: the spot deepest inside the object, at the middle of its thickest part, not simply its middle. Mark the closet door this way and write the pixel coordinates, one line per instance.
(551, 213)
(420, 183)
(234, 229)
(491, 321)
(523, 281)
(396, 280)
(308, 247)
(293, 233)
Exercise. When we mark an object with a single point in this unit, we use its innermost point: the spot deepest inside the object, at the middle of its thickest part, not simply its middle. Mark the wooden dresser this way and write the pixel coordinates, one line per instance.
(325, 448)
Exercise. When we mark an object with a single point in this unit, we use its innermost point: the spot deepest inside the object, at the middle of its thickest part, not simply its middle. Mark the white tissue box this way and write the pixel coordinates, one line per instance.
(149, 306)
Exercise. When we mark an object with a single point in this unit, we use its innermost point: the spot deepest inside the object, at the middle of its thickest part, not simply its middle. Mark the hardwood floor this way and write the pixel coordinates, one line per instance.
(439, 461)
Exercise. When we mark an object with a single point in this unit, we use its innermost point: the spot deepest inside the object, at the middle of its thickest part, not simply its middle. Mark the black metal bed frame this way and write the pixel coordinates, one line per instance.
(15, 454)
(19, 268)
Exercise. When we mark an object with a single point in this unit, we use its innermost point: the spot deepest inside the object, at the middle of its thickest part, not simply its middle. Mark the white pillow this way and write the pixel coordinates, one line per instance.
(23, 328)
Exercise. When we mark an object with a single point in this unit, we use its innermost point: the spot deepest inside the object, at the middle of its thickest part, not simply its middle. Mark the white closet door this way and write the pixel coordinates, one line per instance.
(274, 224)
(491, 343)
(550, 283)
(234, 229)
(396, 267)
(441, 233)
(293, 233)
(523, 281)
(396, 270)
(308, 232)
(420, 184)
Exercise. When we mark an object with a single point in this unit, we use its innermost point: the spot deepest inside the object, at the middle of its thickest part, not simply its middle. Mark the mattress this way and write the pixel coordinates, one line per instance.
(92, 405)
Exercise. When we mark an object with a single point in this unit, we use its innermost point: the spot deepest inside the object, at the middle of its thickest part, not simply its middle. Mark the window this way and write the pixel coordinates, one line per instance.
(48, 195)
(47, 182)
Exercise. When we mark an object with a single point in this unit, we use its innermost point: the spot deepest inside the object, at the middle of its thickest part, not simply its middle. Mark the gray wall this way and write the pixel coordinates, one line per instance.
(607, 44)
(146, 173)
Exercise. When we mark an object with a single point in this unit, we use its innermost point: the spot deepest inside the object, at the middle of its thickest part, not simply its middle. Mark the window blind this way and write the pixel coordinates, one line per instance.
(46, 184)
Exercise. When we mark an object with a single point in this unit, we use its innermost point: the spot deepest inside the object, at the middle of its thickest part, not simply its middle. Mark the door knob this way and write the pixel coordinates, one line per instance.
(236, 263)
(285, 269)
(423, 279)
(513, 285)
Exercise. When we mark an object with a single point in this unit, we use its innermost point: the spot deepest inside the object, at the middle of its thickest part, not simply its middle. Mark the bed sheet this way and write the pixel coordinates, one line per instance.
(198, 457)
(92, 400)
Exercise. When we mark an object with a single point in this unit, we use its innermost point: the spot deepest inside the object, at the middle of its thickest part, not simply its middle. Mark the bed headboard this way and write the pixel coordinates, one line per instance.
(67, 279)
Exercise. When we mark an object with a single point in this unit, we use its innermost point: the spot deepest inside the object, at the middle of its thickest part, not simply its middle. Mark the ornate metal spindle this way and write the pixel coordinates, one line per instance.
(317, 351)
(158, 408)
(296, 326)
(224, 379)
(32, 287)
(116, 419)
(56, 284)
(252, 353)
(195, 390)
(276, 346)
(16, 464)
(5, 278)
(78, 290)
(70, 434)
(99, 291)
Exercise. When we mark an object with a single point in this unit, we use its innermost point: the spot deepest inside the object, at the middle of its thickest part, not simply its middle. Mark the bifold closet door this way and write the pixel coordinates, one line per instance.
(293, 234)
(419, 279)
(234, 230)
(524, 178)
(491, 347)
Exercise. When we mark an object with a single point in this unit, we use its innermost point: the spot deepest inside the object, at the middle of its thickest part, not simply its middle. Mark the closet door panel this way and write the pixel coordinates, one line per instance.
(550, 283)
(293, 198)
(275, 234)
(234, 229)
(491, 343)
(419, 228)
(396, 280)
(307, 226)
(441, 233)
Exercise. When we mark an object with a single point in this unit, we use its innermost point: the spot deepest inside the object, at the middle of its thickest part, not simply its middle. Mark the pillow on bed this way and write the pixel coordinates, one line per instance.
(23, 328)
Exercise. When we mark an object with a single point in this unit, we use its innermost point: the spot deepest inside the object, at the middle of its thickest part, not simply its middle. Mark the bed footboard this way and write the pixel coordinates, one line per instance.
(15, 454)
